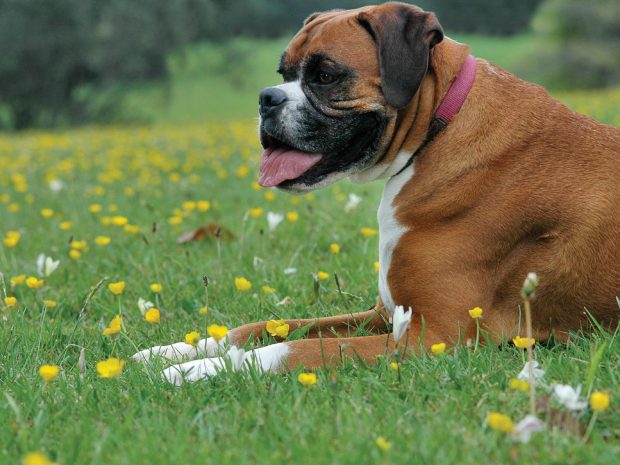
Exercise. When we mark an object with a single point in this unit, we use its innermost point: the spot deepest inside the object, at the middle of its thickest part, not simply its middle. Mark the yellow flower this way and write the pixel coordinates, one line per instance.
(152, 315)
(256, 186)
(243, 171)
(519, 384)
(189, 205)
(383, 443)
(203, 205)
(307, 379)
(156, 288)
(438, 349)
(36, 458)
(34, 283)
(256, 212)
(10, 301)
(394, 366)
(102, 240)
(65, 225)
(203, 310)
(47, 213)
(322, 275)
(79, 245)
(376, 266)
(242, 284)
(277, 328)
(599, 401)
(334, 248)
(270, 196)
(475, 313)
(75, 254)
(268, 290)
(523, 342)
(49, 372)
(17, 280)
(368, 232)
(499, 422)
(174, 220)
(295, 200)
(106, 220)
(110, 368)
(50, 303)
(119, 220)
(117, 288)
(192, 338)
(217, 332)
(11, 238)
(114, 327)
(131, 229)
(292, 216)
(95, 208)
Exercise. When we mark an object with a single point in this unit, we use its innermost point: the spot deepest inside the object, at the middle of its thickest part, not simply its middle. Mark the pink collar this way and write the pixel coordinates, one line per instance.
(458, 91)
(449, 106)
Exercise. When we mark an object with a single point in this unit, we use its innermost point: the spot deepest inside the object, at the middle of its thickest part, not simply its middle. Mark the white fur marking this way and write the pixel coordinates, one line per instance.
(390, 232)
(179, 351)
(268, 358)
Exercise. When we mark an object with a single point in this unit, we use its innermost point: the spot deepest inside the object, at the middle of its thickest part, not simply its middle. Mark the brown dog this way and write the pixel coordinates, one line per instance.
(515, 183)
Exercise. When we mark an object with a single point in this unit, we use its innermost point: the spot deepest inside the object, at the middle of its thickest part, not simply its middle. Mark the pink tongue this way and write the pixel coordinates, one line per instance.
(279, 165)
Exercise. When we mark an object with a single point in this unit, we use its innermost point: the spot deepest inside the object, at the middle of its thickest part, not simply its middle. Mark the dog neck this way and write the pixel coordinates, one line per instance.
(412, 122)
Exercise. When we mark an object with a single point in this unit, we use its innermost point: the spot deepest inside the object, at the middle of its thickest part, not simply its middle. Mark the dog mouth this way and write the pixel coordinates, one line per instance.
(281, 162)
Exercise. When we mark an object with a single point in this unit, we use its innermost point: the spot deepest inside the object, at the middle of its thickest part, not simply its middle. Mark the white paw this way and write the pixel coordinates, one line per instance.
(181, 351)
(192, 371)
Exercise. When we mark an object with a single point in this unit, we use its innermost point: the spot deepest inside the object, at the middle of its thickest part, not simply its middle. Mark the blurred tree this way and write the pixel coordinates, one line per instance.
(68, 61)
(580, 43)
(56, 53)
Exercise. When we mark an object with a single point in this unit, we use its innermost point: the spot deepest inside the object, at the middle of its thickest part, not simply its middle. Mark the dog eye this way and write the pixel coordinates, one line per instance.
(326, 78)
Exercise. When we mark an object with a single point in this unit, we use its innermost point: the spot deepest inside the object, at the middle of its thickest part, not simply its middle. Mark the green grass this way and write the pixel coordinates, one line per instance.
(434, 414)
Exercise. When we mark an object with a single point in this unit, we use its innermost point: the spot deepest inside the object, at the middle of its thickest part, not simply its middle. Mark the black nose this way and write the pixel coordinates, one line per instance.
(270, 98)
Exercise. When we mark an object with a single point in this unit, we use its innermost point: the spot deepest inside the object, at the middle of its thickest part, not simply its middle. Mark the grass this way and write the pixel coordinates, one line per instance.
(435, 414)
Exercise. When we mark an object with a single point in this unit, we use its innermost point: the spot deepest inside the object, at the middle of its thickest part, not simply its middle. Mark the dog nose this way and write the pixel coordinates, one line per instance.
(270, 98)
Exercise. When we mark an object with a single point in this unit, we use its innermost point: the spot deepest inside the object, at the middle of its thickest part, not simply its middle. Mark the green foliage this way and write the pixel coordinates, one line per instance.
(495, 17)
(57, 53)
(579, 44)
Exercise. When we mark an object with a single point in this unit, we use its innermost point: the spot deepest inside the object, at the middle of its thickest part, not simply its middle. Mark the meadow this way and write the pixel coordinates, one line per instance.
(110, 204)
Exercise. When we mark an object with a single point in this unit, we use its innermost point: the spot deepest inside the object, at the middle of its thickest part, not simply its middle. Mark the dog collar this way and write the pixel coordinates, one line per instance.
(449, 106)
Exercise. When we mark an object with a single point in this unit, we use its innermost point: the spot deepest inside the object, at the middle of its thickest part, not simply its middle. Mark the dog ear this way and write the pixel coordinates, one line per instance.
(311, 18)
(404, 35)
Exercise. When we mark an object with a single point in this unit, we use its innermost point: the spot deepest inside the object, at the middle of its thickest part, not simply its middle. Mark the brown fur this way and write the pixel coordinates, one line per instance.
(516, 183)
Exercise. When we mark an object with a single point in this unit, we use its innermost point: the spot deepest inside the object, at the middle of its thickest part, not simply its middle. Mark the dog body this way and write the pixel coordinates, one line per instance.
(515, 183)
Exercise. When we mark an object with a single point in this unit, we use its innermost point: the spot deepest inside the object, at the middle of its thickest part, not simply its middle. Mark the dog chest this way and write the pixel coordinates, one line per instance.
(390, 232)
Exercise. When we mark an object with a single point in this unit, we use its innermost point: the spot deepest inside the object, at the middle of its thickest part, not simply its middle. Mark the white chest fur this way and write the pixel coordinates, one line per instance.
(390, 232)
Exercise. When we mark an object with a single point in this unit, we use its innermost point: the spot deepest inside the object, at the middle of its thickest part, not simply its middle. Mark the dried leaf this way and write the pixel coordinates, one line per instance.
(206, 232)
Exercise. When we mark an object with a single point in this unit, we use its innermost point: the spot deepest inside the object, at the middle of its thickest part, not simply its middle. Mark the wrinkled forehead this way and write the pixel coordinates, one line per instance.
(337, 36)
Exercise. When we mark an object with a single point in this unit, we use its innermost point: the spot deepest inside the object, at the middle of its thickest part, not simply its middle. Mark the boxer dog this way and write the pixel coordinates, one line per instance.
(487, 178)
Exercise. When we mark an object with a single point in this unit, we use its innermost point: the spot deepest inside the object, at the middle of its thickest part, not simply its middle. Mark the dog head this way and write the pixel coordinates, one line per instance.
(346, 75)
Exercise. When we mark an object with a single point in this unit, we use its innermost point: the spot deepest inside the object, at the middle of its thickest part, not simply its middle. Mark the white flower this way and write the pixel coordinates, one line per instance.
(568, 397)
(56, 185)
(400, 321)
(274, 219)
(354, 201)
(144, 305)
(46, 265)
(525, 428)
(291, 270)
(529, 285)
(537, 373)
(236, 357)
(258, 262)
